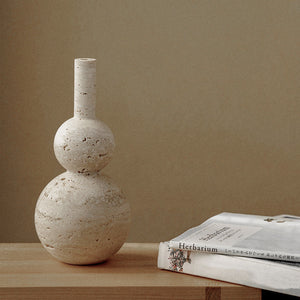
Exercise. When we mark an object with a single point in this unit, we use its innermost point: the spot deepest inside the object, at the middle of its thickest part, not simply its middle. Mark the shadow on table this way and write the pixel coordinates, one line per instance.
(268, 295)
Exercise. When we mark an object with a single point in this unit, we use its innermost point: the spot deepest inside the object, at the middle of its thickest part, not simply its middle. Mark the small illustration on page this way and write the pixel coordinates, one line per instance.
(177, 259)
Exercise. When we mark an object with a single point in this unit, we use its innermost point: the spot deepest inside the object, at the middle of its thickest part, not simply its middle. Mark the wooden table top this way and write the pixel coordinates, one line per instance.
(27, 271)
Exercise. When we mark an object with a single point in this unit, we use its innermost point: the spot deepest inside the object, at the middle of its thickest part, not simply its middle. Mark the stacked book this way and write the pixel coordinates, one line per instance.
(256, 251)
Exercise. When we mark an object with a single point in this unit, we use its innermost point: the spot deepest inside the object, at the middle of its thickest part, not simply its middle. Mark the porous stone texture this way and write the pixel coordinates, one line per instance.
(84, 145)
(85, 88)
(82, 219)
(81, 216)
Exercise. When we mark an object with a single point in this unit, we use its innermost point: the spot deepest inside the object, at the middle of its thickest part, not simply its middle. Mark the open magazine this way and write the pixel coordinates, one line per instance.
(276, 238)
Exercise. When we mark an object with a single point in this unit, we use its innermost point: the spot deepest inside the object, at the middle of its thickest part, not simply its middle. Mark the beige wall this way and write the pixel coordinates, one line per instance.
(202, 96)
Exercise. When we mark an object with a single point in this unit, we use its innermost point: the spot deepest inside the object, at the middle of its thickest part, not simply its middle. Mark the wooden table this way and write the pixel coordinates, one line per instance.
(27, 271)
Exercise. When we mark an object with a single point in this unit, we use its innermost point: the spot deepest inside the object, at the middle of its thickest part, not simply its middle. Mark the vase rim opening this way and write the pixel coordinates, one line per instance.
(86, 59)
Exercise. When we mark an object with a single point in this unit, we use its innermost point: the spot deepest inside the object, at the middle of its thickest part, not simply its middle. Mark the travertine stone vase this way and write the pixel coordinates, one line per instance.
(81, 216)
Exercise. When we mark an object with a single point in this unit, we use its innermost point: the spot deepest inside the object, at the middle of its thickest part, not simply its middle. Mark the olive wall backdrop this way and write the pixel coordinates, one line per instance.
(202, 96)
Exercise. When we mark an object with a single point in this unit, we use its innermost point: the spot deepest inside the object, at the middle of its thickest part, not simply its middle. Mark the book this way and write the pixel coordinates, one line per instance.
(275, 238)
(281, 277)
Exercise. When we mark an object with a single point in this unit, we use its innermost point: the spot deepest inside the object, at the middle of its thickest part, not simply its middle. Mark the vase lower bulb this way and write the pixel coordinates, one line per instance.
(82, 219)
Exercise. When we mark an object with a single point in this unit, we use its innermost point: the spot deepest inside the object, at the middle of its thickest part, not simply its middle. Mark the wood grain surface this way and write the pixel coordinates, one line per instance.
(27, 271)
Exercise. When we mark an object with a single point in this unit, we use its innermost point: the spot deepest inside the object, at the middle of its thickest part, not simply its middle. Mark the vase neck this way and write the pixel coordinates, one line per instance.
(84, 88)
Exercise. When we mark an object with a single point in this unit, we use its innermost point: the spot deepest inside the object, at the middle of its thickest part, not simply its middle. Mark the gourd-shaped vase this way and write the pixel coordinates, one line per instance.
(81, 216)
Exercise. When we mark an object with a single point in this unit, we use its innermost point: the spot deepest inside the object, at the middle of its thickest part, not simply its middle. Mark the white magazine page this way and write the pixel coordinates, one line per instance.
(245, 235)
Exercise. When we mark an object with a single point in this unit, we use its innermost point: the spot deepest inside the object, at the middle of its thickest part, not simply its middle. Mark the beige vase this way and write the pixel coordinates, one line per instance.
(81, 216)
